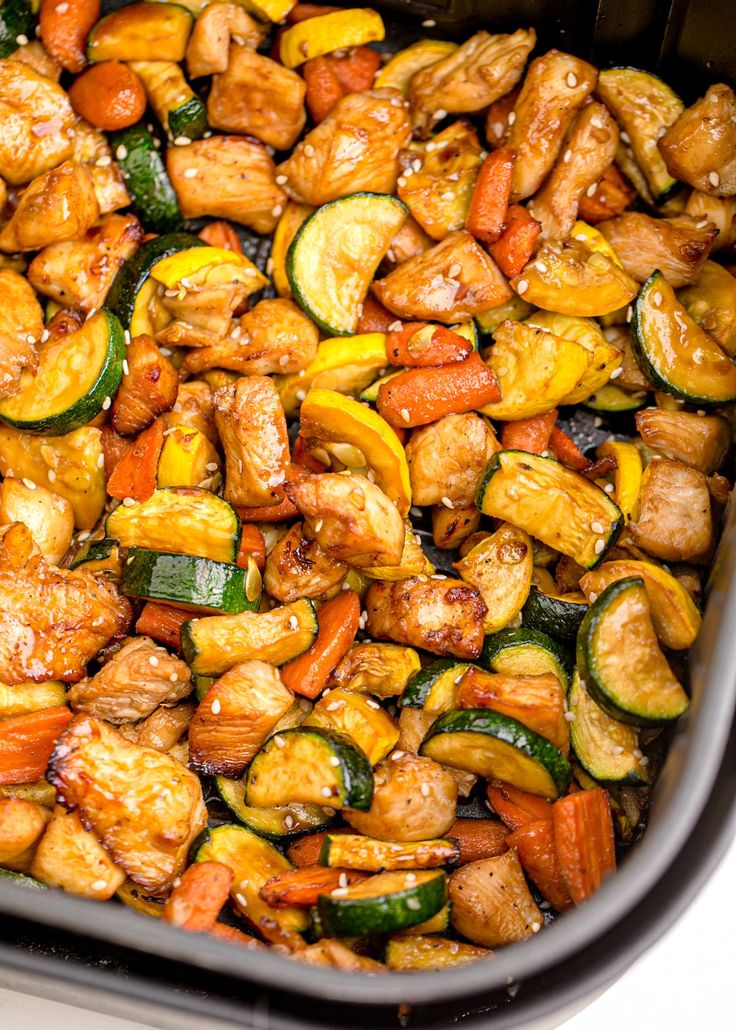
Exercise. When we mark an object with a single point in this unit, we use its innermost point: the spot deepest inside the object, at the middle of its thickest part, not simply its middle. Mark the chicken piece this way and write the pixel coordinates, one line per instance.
(678, 246)
(216, 26)
(447, 458)
(21, 325)
(72, 858)
(58, 205)
(700, 147)
(674, 522)
(352, 519)
(93, 151)
(476, 74)
(203, 309)
(589, 149)
(252, 427)
(379, 669)
(137, 679)
(403, 808)
(147, 389)
(49, 517)
(258, 97)
(36, 123)
(721, 211)
(298, 567)
(555, 87)
(355, 148)
(276, 336)
(146, 808)
(22, 823)
(52, 622)
(438, 181)
(441, 616)
(163, 729)
(35, 56)
(80, 272)
(246, 181)
(193, 409)
(452, 282)
(410, 241)
(700, 441)
(631, 376)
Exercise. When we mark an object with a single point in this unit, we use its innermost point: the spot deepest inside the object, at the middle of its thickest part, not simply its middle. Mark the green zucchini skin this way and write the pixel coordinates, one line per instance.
(275, 824)
(606, 748)
(22, 881)
(189, 120)
(553, 615)
(95, 551)
(16, 19)
(386, 913)
(506, 640)
(186, 581)
(423, 680)
(146, 178)
(135, 271)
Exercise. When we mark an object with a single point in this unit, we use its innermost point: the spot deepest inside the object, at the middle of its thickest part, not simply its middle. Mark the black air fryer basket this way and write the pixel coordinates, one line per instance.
(108, 958)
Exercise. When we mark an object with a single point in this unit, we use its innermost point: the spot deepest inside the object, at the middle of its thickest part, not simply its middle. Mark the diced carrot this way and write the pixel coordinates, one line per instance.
(338, 624)
(135, 474)
(613, 194)
(323, 87)
(419, 345)
(423, 395)
(515, 245)
(529, 434)
(64, 27)
(490, 200)
(268, 513)
(567, 450)
(515, 807)
(114, 447)
(109, 96)
(252, 545)
(535, 844)
(26, 743)
(303, 886)
(202, 891)
(148, 388)
(497, 118)
(478, 839)
(231, 935)
(221, 234)
(584, 839)
(306, 850)
(300, 456)
(375, 318)
(162, 622)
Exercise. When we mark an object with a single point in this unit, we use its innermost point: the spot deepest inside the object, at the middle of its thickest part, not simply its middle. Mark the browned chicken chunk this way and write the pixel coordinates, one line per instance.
(72, 858)
(675, 522)
(701, 441)
(402, 808)
(298, 567)
(21, 325)
(93, 151)
(58, 205)
(36, 122)
(676, 246)
(216, 26)
(700, 148)
(447, 458)
(147, 389)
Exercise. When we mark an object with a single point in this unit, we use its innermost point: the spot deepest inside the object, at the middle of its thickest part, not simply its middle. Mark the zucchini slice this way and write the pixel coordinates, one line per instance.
(253, 862)
(500, 566)
(434, 687)
(123, 297)
(178, 108)
(358, 717)
(335, 254)
(312, 765)
(185, 520)
(494, 746)
(620, 661)
(526, 652)
(275, 824)
(336, 30)
(77, 374)
(20, 879)
(344, 364)
(190, 583)
(141, 32)
(213, 645)
(673, 350)
(606, 748)
(552, 503)
(353, 851)
(146, 178)
(711, 302)
(613, 399)
(100, 556)
(560, 617)
(643, 106)
(382, 903)
(16, 19)
(417, 954)
(23, 698)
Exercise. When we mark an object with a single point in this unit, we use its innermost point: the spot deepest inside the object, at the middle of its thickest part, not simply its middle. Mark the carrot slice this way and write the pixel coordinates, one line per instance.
(268, 513)
(252, 545)
(535, 844)
(375, 318)
(420, 345)
(109, 96)
(26, 743)
(584, 838)
(423, 395)
(612, 196)
(135, 474)
(478, 839)
(529, 434)
(497, 118)
(338, 623)
(567, 450)
(196, 902)
(303, 886)
(306, 850)
(515, 807)
(64, 28)
(231, 935)
(490, 200)
(221, 234)
(162, 622)
(515, 245)
(323, 87)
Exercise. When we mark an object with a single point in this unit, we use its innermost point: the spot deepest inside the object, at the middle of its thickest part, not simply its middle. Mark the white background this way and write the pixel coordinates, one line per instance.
(685, 981)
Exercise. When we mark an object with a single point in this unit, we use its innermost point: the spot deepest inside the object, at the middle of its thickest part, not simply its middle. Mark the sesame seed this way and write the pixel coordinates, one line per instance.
(308, 150)
(599, 545)
(279, 741)
(281, 180)
(121, 152)
(570, 716)
(106, 403)
(288, 821)
(153, 660)
(174, 678)
(511, 118)
(293, 622)
(100, 461)
(447, 502)
(542, 267)
(339, 892)
(596, 527)
(215, 707)
(522, 286)
(335, 706)
(334, 761)
(128, 502)
(429, 23)
(343, 879)
(440, 113)
(29, 484)
(424, 790)
(397, 755)
(536, 927)
(414, 904)
(395, 326)
(455, 270)
(567, 156)
(571, 80)
(616, 373)
(191, 173)
(98, 885)
(618, 750)
(243, 902)
(326, 792)
(277, 210)
(372, 704)
(625, 138)
(714, 178)
(182, 141)
(318, 525)
(609, 488)
(401, 181)
(656, 299)
(406, 416)
(591, 189)
(21, 40)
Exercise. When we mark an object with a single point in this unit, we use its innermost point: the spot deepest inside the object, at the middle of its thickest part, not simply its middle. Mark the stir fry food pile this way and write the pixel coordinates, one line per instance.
(318, 631)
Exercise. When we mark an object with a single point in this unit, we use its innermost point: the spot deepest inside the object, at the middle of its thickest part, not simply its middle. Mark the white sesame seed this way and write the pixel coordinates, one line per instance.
(714, 178)
(599, 545)
(455, 270)
(405, 414)
(625, 138)
(293, 622)
(100, 461)
(191, 173)
(335, 706)
(326, 792)
(511, 118)
(617, 750)
(397, 755)
(372, 704)
(215, 707)
(334, 761)
(616, 373)
(106, 403)
(522, 286)
(281, 180)
(98, 885)
(279, 741)
(396, 326)
(591, 189)
(339, 892)
(182, 141)
(656, 298)
(121, 152)
(243, 902)
(447, 502)
(429, 23)
(596, 527)
(567, 156)
(21, 40)
(536, 927)
(424, 790)
(277, 210)
(609, 488)
(153, 660)
(29, 484)
(414, 904)
(542, 267)
(308, 150)
(128, 502)
(440, 113)
(572, 80)
(570, 716)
